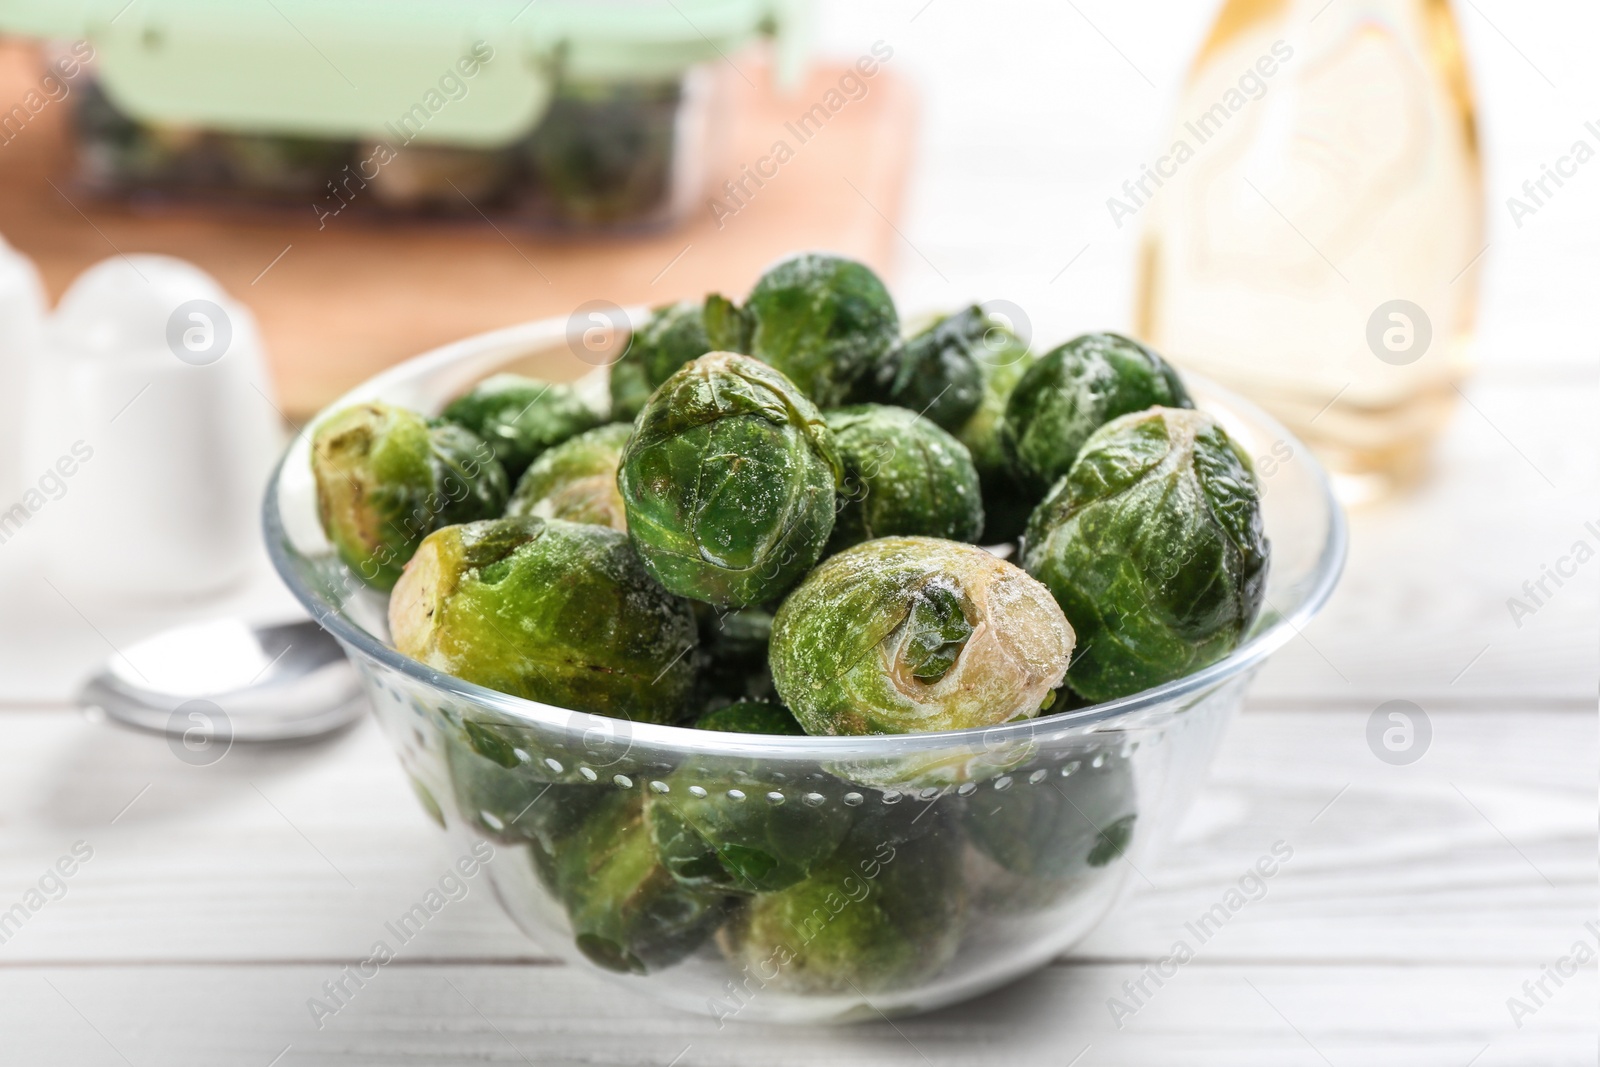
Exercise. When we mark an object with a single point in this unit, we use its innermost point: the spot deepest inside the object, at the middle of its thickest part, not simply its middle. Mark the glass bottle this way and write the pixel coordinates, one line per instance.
(1316, 226)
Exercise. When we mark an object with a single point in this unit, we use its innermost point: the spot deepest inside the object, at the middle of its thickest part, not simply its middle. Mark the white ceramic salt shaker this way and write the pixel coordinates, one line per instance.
(158, 399)
(22, 312)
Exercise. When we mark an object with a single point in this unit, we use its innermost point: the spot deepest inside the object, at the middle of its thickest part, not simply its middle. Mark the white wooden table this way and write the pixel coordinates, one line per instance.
(1419, 898)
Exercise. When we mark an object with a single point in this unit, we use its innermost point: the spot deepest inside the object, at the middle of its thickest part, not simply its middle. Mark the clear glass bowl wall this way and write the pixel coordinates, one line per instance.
(962, 859)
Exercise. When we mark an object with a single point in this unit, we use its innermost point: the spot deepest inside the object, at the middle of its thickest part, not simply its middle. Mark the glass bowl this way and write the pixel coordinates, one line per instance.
(798, 879)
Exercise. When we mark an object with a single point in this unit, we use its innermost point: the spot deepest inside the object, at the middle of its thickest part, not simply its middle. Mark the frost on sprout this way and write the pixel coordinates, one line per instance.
(908, 634)
(549, 610)
(933, 634)
(729, 482)
(521, 418)
(577, 480)
(824, 321)
(1072, 391)
(386, 478)
(903, 475)
(1153, 546)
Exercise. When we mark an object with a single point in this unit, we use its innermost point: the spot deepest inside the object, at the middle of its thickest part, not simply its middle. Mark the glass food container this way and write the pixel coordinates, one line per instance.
(954, 862)
(557, 114)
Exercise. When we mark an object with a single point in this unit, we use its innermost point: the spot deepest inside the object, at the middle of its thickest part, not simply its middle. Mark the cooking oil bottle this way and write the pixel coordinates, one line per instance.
(1314, 232)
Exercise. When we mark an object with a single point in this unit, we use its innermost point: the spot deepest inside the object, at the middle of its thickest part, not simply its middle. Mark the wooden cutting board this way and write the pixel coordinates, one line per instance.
(338, 304)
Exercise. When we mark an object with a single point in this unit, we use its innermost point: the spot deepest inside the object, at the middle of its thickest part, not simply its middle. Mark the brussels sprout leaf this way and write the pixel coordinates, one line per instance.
(938, 632)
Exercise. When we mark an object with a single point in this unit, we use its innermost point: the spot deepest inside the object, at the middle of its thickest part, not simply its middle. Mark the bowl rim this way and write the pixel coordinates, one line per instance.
(1324, 575)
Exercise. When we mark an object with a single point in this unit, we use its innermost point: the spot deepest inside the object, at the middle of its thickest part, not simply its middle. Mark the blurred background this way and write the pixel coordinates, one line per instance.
(1395, 156)
(1383, 226)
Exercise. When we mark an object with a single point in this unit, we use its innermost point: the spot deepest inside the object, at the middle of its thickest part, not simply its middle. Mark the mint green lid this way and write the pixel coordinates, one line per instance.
(466, 72)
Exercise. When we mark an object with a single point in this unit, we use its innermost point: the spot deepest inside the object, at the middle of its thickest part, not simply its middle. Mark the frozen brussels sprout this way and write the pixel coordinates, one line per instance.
(883, 913)
(522, 783)
(603, 153)
(733, 655)
(490, 787)
(750, 717)
(1153, 547)
(736, 635)
(675, 334)
(981, 760)
(907, 634)
(425, 797)
(902, 475)
(553, 611)
(727, 326)
(522, 417)
(1072, 391)
(543, 754)
(630, 388)
(729, 482)
(576, 480)
(386, 478)
(277, 165)
(824, 321)
(119, 154)
(1078, 818)
(438, 179)
(937, 372)
(628, 913)
(732, 835)
(1003, 360)
(506, 791)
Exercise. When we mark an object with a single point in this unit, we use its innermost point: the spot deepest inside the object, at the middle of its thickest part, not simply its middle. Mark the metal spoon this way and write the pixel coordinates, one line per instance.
(267, 683)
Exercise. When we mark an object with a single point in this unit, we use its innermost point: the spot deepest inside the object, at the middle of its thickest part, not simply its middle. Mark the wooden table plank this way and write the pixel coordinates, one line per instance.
(451, 1014)
(1422, 611)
